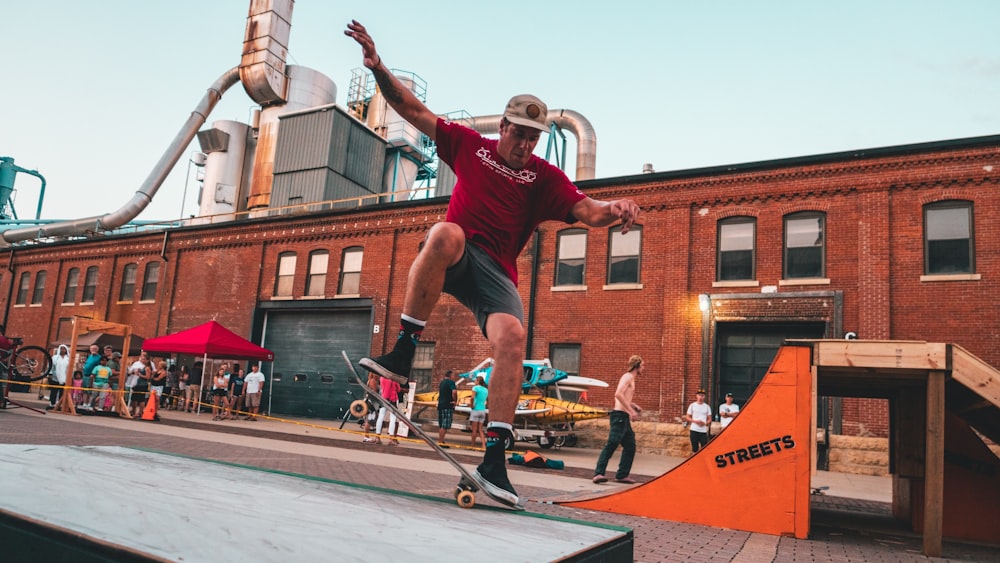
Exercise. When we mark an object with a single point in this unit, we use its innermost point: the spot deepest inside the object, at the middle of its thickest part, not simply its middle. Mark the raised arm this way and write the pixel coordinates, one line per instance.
(400, 97)
(602, 213)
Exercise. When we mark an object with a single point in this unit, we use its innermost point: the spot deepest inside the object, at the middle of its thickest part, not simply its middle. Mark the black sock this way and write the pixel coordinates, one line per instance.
(496, 439)
(409, 335)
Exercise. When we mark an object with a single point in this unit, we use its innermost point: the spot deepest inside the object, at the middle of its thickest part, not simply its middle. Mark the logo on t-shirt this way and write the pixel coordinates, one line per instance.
(523, 176)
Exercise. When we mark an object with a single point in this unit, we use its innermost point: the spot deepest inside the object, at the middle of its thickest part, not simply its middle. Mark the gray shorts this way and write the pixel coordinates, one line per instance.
(482, 285)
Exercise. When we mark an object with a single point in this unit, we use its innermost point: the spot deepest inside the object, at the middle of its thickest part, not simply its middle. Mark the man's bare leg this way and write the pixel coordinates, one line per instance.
(507, 338)
(443, 247)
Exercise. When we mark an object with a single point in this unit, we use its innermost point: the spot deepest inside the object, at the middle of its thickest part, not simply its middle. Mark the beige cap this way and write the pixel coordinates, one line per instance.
(527, 110)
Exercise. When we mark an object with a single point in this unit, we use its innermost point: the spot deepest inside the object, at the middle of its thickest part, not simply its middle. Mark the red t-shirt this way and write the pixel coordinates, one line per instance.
(497, 206)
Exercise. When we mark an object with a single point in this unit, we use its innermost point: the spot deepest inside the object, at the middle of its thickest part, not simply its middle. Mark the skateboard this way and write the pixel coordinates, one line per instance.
(465, 491)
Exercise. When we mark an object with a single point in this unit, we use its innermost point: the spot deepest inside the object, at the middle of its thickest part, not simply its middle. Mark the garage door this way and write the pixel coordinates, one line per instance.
(746, 351)
(310, 378)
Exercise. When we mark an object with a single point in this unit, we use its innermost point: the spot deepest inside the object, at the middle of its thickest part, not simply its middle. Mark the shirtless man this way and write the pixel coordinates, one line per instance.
(621, 426)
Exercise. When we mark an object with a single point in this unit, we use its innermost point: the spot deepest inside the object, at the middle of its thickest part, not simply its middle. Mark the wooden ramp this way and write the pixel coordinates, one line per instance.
(85, 504)
(755, 476)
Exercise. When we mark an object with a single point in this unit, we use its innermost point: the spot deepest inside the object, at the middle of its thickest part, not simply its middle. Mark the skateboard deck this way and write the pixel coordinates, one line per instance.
(465, 491)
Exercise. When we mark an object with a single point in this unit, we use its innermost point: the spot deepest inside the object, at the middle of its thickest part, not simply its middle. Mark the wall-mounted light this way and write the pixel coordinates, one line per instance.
(704, 302)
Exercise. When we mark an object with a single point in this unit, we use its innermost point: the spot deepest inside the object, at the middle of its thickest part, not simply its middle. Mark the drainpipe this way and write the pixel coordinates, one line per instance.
(532, 293)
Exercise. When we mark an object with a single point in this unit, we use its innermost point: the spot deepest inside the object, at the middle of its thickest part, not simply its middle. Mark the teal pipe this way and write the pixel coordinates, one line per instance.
(8, 172)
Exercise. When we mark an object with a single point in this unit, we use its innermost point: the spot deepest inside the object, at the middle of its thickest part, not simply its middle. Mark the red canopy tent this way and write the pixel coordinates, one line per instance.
(208, 339)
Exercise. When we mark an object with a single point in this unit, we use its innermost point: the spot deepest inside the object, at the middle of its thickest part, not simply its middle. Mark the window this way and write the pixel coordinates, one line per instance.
(72, 282)
(736, 249)
(805, 243)
(623, 259)
(949, 247)
(22, 289)
(149, 282)
(571, 257)
(286, 275)
(89, 285)
(316, 279)
(421, 372)
(127, 292)
(565, 357)
(39, 293)
(350, 271)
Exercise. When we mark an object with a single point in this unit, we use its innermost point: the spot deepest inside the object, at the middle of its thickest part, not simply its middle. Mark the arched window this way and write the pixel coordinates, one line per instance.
(736, 249)
(319, 261)
(805, 245)
(149, 282)
(39, 293)
(571, 257)
(127, 291)
(350, 271)
(89, 285)
(949, 245)
(72, 283)
(285, 278)
(624, 255)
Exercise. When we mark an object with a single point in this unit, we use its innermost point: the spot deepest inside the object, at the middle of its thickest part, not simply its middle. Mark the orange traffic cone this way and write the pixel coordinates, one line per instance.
(149, 413)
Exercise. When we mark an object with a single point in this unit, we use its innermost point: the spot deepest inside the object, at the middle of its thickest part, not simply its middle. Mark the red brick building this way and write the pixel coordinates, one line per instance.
(889, 243)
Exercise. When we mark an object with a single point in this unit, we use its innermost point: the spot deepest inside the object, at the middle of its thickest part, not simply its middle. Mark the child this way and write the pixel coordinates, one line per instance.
(77, 387)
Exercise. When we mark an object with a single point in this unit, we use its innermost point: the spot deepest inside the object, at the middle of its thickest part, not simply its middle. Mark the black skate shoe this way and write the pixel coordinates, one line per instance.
(395, 366)
(492, 478)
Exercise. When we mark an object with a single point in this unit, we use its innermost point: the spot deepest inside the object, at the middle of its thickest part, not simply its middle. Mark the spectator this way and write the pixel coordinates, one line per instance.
(220, 402)
(102, 376)
(620, 430)
(137, 384)
(389, 390)
(92, 361)
(728, 411)
(237, 383)
(60, 365)
(159, 381)
(183, 380)
(115, 365)
(478, 415)
(699, 416)
(192, 397)
(77, 388)
(447, 398)
(254, 389)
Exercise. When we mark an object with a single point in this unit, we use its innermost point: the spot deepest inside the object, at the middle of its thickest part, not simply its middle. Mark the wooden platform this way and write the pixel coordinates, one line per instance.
(89, 503)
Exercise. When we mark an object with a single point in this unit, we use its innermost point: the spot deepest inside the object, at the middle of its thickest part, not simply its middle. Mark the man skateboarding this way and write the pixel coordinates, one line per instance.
(502, 193)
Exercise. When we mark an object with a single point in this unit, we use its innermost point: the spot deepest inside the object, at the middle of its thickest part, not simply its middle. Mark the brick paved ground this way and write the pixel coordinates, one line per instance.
(842, 529)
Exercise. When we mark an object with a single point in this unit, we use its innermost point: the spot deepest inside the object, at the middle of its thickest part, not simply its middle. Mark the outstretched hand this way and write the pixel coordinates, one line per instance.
(358, 32)
(626, 210)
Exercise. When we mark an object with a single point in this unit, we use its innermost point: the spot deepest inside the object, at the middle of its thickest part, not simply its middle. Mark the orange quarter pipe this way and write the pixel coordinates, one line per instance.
(754, 476)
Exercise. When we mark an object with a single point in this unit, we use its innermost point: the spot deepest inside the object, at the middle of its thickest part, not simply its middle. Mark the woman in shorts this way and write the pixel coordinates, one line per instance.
(477, 417)
(220, 394)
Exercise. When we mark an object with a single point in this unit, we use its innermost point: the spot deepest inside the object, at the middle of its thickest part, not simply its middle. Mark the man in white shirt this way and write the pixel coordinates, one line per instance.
(699, 416)
(728, 411)
(253, 388)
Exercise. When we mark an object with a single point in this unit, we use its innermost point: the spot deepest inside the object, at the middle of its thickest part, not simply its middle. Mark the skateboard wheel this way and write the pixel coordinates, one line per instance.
(465, 499)
(359, 408)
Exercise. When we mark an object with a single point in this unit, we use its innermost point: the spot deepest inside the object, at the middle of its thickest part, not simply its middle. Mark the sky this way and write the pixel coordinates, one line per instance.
(92, 93)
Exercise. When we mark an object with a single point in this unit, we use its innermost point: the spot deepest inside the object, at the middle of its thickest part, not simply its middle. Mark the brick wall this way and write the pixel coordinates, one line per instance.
(874, 259)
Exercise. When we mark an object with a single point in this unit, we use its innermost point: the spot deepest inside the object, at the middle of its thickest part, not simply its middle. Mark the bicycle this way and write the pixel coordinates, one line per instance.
(22, 364)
